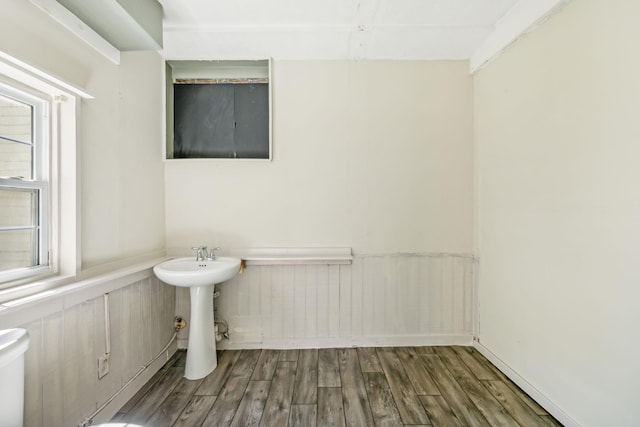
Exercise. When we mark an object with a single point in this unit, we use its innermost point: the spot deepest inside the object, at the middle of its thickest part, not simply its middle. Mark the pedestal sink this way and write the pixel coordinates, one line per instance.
(200, 277)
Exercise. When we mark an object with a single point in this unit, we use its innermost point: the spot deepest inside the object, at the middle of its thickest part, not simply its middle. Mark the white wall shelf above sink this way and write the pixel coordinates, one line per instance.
(281, 256)
(286, 256)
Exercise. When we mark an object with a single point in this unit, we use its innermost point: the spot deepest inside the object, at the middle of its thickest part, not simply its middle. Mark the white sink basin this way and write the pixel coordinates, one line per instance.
(187, 272)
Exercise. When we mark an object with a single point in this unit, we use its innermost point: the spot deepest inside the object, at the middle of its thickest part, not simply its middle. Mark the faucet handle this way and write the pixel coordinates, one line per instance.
(201, 252)
(212, 254)
(197, 250)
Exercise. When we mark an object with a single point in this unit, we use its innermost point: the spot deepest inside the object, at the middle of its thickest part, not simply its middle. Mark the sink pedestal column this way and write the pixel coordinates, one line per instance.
(201, 351)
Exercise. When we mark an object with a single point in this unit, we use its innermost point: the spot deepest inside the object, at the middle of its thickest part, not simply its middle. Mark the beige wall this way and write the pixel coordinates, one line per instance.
(557, 131)
(122, 171)
(374, 155)
(122, 197)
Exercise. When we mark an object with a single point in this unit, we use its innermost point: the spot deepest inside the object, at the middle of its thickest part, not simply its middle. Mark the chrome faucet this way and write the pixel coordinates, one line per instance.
(203, 254)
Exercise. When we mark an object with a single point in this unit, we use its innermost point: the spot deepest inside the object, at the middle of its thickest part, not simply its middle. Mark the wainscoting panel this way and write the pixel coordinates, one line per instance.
(61, 381)
(377, 300)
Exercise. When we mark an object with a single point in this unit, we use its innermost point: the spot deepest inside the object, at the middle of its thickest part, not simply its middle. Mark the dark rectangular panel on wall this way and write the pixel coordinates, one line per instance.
(221, 121)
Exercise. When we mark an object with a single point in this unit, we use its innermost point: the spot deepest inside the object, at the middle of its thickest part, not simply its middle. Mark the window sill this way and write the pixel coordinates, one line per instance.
(17, 277)
(63, 292)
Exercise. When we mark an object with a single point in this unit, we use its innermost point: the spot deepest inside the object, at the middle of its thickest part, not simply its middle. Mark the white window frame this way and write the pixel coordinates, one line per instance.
(64, 102)
(41, 181)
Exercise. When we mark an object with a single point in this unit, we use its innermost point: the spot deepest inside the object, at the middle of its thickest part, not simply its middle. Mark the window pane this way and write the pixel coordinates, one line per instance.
(16, 150)
(16, 120)
(15, 159)
(17, 248)
(18, 207)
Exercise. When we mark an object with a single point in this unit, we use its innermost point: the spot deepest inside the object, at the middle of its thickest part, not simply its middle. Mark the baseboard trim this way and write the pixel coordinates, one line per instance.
(527, 387)
(377, 341)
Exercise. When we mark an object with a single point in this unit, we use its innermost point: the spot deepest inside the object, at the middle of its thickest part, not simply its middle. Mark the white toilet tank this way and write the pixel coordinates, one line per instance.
(13, 344)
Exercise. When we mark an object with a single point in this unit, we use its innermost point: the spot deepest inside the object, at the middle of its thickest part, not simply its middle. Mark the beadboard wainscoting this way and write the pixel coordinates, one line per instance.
(377, 300)
(61, 365)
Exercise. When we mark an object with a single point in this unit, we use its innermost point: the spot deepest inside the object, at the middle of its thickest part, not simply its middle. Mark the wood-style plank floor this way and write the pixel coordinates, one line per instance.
(395, 386)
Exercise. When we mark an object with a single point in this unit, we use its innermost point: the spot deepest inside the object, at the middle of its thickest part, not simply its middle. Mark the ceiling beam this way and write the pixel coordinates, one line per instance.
(79, 28)
(520, 19)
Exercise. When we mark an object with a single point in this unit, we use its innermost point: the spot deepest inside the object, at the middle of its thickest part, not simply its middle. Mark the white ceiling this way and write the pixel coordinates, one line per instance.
(477, 30)
(328, 29)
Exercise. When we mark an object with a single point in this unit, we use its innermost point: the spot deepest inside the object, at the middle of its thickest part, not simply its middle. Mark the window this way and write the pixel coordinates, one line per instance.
(218, 109)
(39, 215)
(24, 185)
